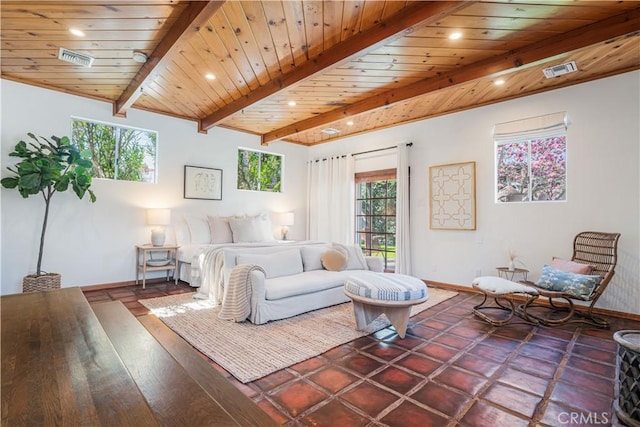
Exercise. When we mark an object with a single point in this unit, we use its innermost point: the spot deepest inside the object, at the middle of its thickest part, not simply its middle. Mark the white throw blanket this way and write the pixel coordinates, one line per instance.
(237, 301)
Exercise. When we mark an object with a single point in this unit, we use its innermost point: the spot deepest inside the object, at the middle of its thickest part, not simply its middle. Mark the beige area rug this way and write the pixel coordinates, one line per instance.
(251, 351)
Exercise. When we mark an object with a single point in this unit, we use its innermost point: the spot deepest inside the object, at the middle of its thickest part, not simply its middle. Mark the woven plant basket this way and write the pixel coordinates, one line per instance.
(43, 282)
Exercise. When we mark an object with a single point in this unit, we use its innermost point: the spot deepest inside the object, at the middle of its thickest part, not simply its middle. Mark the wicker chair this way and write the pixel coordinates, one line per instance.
(600, 250)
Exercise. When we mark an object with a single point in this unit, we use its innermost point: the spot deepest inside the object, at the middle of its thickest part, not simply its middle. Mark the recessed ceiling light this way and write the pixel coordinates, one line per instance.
(330, 131)
(350, 123)
(76, 32)
(292, 103)
(455, 35)
(140, 57)
(498, 82)
(210, 76)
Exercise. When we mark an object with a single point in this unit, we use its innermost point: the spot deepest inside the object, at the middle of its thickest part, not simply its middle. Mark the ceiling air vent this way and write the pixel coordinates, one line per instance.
(75, 57)
(559, 70)
(330, 131)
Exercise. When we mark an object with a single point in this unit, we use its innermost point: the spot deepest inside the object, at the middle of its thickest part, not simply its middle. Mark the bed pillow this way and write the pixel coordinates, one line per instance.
(333, 260)
(355, 258)
(220, 229)
(571, 266)
(277, 264)
(181, 230)
(251, 229)
(577, 285)
(311, 256)
(199, 230)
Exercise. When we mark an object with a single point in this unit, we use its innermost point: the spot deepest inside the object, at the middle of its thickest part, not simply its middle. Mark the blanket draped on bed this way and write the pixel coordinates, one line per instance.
(237, 305)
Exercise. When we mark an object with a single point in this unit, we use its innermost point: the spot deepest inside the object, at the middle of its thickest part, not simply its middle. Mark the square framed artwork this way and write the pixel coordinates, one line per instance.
(202, 183)
(452, 196)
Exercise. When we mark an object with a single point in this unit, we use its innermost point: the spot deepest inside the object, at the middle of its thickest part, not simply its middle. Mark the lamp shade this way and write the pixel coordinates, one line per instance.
(286, 218)
(158, 216)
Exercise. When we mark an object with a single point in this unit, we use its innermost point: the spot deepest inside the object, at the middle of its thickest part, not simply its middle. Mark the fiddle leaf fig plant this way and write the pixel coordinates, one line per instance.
(48, 167)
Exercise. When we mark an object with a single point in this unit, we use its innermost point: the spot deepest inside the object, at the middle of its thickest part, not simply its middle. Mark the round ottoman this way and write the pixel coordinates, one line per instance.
(393, 295)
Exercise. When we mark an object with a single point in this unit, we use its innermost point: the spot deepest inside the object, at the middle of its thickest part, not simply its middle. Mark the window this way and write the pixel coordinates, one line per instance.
(531, 164)
(259, 171)
(376, 215)
(118, 152)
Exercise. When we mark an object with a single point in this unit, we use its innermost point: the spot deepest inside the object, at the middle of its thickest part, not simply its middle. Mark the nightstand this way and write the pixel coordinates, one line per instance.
(156, 258)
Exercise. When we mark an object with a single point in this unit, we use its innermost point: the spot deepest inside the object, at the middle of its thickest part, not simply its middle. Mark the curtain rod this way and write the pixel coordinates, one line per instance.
(380, 149)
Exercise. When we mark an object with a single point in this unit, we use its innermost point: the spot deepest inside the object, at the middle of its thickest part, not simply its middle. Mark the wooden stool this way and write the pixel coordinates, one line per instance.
(393, 295)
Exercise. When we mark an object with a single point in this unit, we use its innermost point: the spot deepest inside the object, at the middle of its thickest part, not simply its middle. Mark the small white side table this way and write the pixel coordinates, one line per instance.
(145, 261)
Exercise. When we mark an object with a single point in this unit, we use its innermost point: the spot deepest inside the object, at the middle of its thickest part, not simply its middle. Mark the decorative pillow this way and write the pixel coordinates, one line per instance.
(199, 230)
(251, 229)
(333, 260)
(576, 285)
(571, 266)
(277, 264)
(181, 229)
(311, 256)
(355, 258)
(220, 229)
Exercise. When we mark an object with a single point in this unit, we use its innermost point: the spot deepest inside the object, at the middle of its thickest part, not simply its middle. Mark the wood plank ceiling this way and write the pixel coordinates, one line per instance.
(354, 65)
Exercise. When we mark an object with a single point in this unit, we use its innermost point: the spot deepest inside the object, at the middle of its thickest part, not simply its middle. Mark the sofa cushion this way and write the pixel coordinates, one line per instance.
(303, 284)
(311, 256)
(277, 264)
(355, 258)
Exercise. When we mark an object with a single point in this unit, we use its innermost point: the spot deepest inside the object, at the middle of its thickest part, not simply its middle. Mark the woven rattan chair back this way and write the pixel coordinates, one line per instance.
(599, 250)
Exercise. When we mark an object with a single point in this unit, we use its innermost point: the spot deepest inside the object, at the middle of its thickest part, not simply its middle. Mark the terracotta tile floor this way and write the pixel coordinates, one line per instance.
(451, 370)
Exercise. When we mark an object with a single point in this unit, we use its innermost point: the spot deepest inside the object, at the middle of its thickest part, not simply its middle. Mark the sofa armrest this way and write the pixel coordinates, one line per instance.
(375, 263)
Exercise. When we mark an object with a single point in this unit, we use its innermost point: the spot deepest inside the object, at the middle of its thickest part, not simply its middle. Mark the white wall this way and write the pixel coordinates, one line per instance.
(603, 142)
(94, 243)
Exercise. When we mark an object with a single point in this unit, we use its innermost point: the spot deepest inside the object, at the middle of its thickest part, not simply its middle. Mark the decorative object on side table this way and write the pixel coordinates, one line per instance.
(286, 219)
(202, 183)
(48, 167)
(158, 218)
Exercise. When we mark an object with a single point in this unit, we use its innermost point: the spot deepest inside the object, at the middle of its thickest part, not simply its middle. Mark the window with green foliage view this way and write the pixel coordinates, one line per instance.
(118, 152)
(259, 171)
(376, 215)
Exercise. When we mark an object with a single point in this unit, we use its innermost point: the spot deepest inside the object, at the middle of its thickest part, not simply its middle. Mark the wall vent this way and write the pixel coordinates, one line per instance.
(559, 70)
(330, 131)
(75, 57)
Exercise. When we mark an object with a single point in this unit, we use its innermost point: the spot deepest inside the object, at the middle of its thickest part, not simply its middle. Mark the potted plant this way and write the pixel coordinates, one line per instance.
(48, 167)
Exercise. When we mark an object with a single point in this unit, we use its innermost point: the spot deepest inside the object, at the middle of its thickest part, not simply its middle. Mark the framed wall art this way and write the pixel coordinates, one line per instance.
(202, 183)
(452, 196)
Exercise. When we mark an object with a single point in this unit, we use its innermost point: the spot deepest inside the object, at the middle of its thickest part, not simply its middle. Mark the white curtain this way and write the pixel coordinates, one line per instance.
(331, 199)
(403, 228)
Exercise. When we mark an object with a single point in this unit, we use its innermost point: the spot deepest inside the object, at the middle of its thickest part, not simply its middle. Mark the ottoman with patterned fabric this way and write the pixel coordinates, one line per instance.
(393, 295)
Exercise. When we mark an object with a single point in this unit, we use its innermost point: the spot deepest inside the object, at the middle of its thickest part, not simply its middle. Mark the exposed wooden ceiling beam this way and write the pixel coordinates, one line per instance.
(193, 16)
(527, 56)
(408, 20)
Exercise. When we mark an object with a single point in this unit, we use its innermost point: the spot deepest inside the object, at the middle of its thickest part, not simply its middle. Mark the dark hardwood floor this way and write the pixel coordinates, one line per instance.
(451, 370)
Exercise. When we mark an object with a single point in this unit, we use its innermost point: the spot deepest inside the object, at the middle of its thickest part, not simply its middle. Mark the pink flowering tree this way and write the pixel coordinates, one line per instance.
(532, 170)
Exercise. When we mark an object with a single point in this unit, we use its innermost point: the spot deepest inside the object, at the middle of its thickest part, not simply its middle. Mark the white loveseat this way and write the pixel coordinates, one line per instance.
(294, 280)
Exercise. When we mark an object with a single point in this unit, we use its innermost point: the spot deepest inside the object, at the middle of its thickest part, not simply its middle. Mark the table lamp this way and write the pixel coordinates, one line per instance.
(158, 218)
(286, 219)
